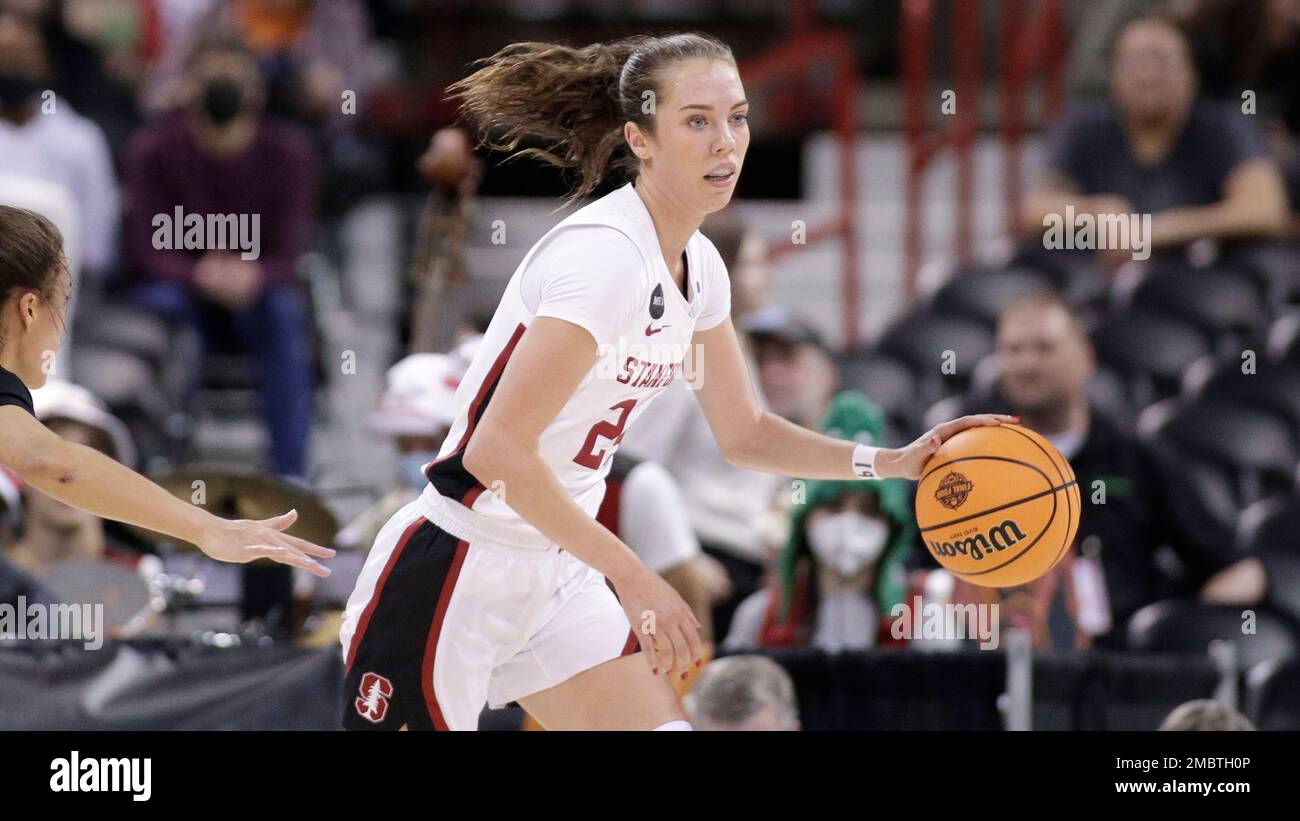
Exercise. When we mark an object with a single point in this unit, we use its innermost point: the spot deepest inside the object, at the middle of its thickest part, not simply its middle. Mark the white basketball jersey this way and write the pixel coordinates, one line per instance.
(601, 269)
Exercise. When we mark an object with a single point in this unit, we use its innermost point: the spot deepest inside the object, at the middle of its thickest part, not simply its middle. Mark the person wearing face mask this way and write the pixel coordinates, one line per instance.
(414, 413)
(842, 569)
(44, 140)
(220, 157)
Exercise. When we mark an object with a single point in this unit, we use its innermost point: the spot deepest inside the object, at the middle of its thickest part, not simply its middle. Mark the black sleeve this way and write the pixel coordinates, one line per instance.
(1067, 145)
(1202, 540)
(14, 392)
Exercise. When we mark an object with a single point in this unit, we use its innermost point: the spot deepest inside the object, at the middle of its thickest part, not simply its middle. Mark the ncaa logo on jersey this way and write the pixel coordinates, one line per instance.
(657, 302)
(372, 702)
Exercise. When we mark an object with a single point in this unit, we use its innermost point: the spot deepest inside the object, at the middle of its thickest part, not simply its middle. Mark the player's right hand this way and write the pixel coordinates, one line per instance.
(244, 540)
(664, 625)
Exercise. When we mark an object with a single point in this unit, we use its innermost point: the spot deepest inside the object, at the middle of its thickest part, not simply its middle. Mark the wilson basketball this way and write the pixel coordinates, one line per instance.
(998, 505)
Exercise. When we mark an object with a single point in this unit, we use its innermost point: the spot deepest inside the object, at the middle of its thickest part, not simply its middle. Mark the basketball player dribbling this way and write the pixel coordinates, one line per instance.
(35, 286)
(491, 588)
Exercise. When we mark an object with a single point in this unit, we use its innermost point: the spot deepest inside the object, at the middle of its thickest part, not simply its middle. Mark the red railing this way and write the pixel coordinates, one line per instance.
(808, 49)
(1034, 44)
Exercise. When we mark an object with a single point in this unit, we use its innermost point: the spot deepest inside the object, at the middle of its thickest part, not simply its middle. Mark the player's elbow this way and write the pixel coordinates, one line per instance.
(477, 457)
(486, 456)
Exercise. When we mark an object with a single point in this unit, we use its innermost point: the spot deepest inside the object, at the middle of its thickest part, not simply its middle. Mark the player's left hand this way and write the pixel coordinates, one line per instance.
(244, 540)
(908, 462)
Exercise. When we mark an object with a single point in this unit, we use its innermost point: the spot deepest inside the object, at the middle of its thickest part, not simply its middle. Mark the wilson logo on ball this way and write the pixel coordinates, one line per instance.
(999, 538)
(953, 490)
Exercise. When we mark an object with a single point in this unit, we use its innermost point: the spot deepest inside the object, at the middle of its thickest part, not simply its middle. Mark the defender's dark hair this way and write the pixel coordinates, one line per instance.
(575, 100)
(31, 254)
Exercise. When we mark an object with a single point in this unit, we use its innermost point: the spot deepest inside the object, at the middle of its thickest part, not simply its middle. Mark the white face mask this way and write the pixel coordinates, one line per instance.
(847, 541)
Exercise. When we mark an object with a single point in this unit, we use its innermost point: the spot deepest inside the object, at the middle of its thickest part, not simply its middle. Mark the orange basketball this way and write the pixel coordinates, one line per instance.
(997, 505)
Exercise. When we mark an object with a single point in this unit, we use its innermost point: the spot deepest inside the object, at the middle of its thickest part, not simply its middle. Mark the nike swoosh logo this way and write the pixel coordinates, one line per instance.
(651, 330)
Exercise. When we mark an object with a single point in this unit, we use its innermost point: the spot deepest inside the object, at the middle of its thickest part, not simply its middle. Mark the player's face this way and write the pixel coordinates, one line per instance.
(1045, 365)
(700, 136)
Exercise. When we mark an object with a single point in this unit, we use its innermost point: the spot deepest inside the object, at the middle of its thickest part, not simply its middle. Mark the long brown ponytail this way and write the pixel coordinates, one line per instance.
(575, 100)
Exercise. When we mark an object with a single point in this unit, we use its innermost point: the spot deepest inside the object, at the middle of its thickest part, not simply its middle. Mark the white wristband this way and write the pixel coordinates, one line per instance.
(864, 462)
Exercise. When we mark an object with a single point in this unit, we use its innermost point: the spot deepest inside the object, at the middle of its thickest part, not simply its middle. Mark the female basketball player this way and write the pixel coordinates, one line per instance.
(34, 288)
(492, 586)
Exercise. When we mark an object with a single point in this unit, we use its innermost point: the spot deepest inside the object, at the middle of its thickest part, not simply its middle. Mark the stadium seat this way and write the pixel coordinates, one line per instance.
(1074, 273)
(1227, 304)
(1148, 351)
(1257, 447)
(1272, 387)
(982, 293)
(1284, 340)
(123, 327)
(130, 388)
(1273, 694)
(1270, 529)
(1276, 264)
(1184, 626)
(920, 340)
(887, 382)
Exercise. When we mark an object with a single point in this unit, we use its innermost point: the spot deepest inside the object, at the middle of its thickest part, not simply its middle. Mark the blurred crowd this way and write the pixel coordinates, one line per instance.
(116, 112)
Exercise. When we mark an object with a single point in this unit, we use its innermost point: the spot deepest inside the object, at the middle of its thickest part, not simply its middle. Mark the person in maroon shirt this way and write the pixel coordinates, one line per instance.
(221, 158)
(35, 285)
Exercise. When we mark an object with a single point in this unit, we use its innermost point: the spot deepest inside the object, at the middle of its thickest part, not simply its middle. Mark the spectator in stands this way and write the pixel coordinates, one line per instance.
(795, 369)
(842, 570)
(1248, 45)
(309, 52)
(644, 506)
(52, 531)
(14, 583)
(415, 412)
(743, 693)
(1199, 169)
(100, 49)
(220, 156)
(42, 137)
(731, 509)
(1206, 715)
(1046, 364)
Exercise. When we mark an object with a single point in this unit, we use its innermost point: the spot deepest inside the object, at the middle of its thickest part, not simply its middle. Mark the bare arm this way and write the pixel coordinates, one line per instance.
(1243, 582)
(1058, 191)
(1253, 205)
(548, 363)
(1053, 193)
(750, 437)
(88, 480)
